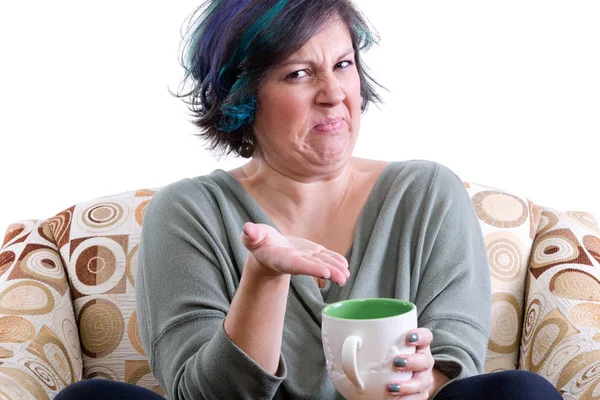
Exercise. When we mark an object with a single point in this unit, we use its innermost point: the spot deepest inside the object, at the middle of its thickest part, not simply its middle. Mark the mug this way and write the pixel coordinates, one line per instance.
(360, 340)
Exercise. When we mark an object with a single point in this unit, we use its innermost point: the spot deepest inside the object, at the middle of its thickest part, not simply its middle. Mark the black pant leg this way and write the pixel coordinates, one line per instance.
(504, 385)
(102, 389)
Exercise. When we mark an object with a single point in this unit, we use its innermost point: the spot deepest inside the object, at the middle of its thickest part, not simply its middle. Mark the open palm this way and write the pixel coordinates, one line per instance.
(281, 254)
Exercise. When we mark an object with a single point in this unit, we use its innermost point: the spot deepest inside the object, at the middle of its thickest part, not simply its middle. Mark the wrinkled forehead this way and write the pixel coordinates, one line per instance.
(333, 40)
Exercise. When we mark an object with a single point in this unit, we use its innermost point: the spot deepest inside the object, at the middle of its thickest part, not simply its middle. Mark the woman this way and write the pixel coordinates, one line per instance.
(235, 267)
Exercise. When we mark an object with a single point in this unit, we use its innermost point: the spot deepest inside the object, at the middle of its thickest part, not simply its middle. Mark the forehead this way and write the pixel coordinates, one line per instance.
(334, 38)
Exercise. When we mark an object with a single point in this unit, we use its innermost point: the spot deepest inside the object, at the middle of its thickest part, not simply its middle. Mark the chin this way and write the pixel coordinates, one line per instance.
(333, 156)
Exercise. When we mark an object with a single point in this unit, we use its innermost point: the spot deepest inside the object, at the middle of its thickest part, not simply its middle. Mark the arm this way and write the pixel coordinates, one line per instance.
(454, 295)
(186, 280)
(452, 292)
(255, 319)
(446, 275)
(205, 337)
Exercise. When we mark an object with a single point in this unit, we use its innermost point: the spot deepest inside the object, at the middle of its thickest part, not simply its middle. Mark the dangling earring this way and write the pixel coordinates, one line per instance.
(247, 148)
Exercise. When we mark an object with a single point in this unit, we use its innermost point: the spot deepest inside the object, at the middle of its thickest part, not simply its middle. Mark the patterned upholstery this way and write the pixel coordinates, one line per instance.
(69, 282)
(39, 343)
(508, 224)
(561, 336)
(67, 301)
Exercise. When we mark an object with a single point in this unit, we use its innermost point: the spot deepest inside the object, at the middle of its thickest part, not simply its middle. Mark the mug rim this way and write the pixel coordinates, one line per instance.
(377, 299)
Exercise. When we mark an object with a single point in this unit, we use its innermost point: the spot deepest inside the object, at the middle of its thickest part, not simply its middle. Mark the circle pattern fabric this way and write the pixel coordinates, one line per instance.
(103, 217)
(67, 299)
(101, 327)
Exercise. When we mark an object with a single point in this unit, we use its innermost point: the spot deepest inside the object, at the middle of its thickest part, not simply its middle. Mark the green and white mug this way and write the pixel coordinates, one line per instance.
(360, 339)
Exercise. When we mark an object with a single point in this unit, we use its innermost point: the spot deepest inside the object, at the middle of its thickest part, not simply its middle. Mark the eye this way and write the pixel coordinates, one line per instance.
(297, 74)
(344, 64)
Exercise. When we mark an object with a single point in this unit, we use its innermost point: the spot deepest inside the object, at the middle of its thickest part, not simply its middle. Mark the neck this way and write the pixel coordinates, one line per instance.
(289, 198)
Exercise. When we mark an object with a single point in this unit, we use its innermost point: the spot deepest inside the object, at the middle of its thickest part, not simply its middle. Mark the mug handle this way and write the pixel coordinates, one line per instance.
(349, 363)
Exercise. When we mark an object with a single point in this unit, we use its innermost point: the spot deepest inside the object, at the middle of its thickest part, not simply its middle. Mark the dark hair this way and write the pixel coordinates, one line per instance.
(232, 44)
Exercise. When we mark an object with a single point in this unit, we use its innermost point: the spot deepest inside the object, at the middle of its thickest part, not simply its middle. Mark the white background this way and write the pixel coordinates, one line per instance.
(505, 93)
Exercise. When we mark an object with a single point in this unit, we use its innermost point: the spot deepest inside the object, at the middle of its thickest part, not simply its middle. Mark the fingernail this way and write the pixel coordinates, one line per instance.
(400, 362)
(413, 337)
(394, 388)
(341, 284)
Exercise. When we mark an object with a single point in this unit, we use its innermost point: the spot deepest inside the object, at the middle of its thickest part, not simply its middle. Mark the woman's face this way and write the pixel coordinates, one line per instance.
(308, 113)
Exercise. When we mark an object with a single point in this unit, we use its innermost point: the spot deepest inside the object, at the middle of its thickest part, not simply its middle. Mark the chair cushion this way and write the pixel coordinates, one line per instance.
(39, 343)
(508, 223)
(98, 241)
(561, 339)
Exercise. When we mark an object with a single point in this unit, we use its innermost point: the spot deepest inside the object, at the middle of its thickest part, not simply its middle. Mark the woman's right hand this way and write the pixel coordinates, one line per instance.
(279, 254)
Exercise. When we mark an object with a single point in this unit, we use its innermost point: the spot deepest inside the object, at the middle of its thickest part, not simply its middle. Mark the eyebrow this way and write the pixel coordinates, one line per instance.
(298, 61)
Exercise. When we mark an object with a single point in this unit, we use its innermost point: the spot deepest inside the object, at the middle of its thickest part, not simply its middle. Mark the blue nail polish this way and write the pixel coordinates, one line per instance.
(394, 388)
(400, 362)
(413, 337)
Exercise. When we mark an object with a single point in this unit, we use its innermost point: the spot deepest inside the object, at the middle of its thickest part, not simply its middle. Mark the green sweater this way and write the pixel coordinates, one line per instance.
(417, 239)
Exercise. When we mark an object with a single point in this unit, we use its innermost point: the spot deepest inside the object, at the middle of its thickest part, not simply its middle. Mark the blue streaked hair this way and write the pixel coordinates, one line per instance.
(230, 45)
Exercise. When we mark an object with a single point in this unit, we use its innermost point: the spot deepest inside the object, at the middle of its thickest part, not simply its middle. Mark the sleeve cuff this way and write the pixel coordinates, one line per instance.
(450, 367)
(243, 365)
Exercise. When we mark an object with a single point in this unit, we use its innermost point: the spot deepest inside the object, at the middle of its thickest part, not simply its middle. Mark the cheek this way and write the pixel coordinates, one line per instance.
(356, 91)
(283, 108)
(351, 87)
(354, 97)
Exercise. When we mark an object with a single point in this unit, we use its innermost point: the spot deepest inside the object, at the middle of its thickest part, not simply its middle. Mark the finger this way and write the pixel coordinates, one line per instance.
(333, 274)
(337, 256)
(327, 258)
(307, 265)
(339, 273)
(341, 262)
(419, 337)
(252, 236)
(418, 396)
(338, 276)
(411, 389)
(425, 381)
(413, 362)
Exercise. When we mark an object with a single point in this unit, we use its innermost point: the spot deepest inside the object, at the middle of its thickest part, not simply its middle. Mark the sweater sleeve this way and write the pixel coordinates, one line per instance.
(454, 296)
(185, 282)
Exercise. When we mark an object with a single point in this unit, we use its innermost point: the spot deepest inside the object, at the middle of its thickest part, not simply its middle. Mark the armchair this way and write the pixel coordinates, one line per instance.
(68, 312)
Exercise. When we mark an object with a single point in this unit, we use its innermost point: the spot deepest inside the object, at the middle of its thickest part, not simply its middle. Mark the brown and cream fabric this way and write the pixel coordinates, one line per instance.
(39, 341)
(561, 333)
(67, 301)
(67, 298)
(508, 223)
(100, 255)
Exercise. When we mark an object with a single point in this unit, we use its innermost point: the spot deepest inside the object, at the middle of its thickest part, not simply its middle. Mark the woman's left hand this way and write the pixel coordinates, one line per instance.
(420, 386)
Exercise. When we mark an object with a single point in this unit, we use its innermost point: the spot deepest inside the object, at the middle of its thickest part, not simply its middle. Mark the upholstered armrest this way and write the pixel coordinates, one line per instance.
(39, 341)
(561, 328)
(508, 224)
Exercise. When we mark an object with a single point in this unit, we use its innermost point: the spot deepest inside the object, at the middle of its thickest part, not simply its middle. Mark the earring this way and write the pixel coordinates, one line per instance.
(247, 149)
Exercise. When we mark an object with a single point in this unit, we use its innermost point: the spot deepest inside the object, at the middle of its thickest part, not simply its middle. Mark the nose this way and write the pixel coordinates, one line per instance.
(330, 93)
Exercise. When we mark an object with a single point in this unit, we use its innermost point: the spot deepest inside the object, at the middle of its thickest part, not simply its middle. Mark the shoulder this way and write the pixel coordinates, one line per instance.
(186, 197)
(434, 192)
(423, 175)
(421, 183)
(422, 169)
(410, 169)
(435, 173)
(421, 172)
(176, 193)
